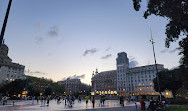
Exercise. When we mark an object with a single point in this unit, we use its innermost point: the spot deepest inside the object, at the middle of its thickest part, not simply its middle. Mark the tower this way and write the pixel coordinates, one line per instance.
(122, 63)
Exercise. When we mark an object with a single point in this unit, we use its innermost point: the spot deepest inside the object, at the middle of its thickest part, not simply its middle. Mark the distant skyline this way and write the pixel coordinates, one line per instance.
(60, 38)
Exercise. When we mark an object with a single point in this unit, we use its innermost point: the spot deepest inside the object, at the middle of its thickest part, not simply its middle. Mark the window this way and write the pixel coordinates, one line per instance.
(146, 79)
(7, 75)
(149, 76)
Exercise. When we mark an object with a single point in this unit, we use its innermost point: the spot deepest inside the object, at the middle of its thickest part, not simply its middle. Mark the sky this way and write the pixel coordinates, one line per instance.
(60, 38)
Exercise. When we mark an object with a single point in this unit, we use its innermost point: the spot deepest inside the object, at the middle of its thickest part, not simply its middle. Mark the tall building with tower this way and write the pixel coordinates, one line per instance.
(129, 81)
(122, 63)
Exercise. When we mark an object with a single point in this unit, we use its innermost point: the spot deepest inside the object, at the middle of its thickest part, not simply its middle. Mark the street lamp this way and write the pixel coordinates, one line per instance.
(5, 22)
(158, 84)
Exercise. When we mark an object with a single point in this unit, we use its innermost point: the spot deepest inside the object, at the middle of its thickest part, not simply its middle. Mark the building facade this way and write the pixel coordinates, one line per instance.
(129, 81)
(73, 85)
(104, 82)
(9, 71)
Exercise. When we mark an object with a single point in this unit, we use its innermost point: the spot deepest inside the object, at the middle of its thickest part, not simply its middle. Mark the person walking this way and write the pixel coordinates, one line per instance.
(41, 100)
(100, 100)
(33, 99)
(142, 103)
(87, 98)
(37, 99)
(93, 101)
(103, 99)
(48, 100)
(122, 100)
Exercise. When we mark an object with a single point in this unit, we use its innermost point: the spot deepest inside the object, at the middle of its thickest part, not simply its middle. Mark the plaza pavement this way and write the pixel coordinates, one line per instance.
(110, 105)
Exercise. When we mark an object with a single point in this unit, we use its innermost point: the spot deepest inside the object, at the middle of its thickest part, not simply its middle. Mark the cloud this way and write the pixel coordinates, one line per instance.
(35, 73)
(53, 31)
(174, 50)
(165, 50)
(133, 62)
(39, 26)
(39, 40)
(90, 51)
(80, 77)
(170, 51)
(75, 77)
(106, 56)
(108, 49)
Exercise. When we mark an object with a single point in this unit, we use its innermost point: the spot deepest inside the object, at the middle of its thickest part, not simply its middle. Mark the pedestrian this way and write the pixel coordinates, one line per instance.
(142, 103)
(93, 101)
(37, 99)
(44, 100)
(33, 98)
(103, 99)
(41, 100)
(100, 100)
(122, 100)
(151, 105)
(65, 100)
(13, 102)
(136, 105)
(87, 98)
(48, 100)
(70, 101)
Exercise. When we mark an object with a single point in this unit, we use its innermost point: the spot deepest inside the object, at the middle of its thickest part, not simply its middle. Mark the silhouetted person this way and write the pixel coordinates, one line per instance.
(93, 101)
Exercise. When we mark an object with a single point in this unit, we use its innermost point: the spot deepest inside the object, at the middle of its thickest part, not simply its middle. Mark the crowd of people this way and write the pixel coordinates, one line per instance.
(69, 100)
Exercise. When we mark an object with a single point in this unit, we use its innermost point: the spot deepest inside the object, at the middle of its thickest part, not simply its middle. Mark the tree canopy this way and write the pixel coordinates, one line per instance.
(33, 85)
(172, 80)
(176, 11)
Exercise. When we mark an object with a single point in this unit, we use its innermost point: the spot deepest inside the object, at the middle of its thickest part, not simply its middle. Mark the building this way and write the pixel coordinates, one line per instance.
(9, 71)
(122, 64)
(129, 81)
(137, 80)
(73, 85)
(104, 82)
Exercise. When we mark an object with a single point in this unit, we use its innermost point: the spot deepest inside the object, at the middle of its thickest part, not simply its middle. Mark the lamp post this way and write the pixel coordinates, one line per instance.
(158, 84)
(5, 22)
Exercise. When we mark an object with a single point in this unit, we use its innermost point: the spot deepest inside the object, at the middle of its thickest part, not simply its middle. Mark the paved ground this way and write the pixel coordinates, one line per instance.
(110, 105)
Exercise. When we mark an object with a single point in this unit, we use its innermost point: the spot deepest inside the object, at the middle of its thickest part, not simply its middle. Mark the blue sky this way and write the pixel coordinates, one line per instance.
(51, 36)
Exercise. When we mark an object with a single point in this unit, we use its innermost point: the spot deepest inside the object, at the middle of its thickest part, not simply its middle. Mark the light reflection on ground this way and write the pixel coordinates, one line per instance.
(27, 105)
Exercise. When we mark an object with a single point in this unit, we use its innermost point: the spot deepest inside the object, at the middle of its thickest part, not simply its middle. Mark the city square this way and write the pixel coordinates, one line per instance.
(28, 105)
(104, 55)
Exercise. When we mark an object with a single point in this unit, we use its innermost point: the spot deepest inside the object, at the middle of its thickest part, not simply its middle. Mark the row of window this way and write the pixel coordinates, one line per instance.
(139, 84)
(13, 76)
(135, 88)
(146, 78)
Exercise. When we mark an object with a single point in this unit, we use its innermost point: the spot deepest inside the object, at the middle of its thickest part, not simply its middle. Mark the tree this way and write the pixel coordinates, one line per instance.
(13, 88)
(172, 80)
(48, 91)
(177, 14)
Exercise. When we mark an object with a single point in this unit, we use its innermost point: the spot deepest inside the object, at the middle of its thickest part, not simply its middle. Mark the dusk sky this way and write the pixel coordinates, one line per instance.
(60, 38)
